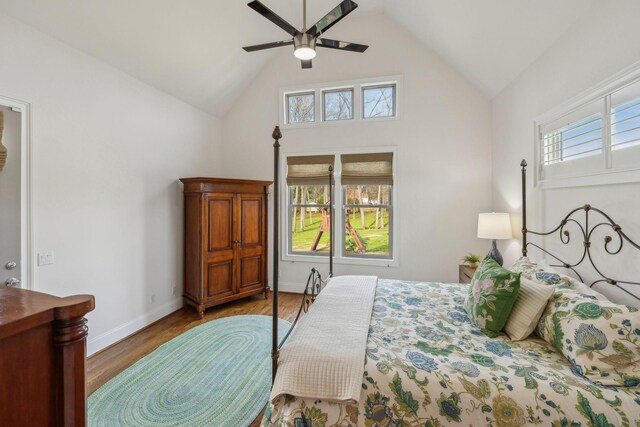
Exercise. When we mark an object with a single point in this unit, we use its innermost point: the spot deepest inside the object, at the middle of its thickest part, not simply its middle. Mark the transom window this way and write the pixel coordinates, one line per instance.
(378, 101)
(301, 107)
(363, 209)
(598, 138)
(340, 102)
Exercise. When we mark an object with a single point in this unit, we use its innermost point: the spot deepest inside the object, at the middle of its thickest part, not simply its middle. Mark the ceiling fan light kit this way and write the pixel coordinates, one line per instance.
(305, 42)
(304, 47)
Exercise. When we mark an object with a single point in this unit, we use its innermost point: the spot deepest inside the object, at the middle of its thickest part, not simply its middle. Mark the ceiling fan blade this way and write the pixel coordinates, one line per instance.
(332, 18)
(306, 63)
(336, 44)
(267, 45)
(271, 16)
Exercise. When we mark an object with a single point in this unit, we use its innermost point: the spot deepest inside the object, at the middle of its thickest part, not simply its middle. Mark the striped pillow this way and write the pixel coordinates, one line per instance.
(528, 308)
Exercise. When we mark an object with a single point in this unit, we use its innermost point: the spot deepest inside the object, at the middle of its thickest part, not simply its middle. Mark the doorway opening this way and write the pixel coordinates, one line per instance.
(15, 194)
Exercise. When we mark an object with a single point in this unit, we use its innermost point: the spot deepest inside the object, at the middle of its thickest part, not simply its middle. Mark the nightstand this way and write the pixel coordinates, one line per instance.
(466, 273)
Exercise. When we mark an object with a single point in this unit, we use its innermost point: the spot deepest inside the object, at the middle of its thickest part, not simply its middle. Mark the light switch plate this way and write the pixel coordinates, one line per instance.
(45, 258)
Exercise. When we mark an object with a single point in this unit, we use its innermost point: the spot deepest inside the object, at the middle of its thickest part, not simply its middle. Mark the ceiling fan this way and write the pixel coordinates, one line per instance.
(304, 42)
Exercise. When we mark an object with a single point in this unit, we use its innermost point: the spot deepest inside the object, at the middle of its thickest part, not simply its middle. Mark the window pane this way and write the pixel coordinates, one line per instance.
(625, 117)
(338, 105)
(367, 194)
(379, 101)
(309, 215)
(366, 226)
(576, 135)
(300, 108)
(308, 194)
(367, 231)
(310, 231)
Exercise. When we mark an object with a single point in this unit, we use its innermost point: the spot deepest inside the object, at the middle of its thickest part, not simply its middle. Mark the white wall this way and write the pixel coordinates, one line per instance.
(443, 138)
(595, 48)
(107, 153)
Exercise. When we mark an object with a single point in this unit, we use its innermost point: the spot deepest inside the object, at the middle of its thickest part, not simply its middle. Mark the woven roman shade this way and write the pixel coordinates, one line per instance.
(367, 169)
(309, 170)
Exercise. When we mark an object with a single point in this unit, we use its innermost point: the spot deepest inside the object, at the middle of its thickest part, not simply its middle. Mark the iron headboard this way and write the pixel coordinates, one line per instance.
(586, 225)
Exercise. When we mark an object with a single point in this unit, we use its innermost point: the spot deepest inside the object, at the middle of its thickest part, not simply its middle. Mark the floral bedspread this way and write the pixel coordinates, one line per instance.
(427, 365)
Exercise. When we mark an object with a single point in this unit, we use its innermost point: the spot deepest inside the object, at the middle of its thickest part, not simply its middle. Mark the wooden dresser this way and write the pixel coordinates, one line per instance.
(225, 240)
(42, 358)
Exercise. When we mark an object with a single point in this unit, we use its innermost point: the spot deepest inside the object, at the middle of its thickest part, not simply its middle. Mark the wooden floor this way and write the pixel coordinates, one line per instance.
(103, 366)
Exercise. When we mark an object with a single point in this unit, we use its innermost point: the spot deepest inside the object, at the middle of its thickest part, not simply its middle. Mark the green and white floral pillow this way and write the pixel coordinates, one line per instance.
(492, 293)
(601, 339)
(527, 267)
(538, 274)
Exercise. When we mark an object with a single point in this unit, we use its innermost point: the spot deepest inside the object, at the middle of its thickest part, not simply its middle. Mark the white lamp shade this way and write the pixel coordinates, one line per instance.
(494, 226)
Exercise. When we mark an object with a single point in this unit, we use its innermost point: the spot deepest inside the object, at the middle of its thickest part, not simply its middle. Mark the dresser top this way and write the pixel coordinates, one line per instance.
(230, 185)
(21, 308)
(225, 181)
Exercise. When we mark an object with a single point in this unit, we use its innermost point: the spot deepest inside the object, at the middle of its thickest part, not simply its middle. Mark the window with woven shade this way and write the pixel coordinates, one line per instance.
(367, 182)
(308, 210)
(363, 190)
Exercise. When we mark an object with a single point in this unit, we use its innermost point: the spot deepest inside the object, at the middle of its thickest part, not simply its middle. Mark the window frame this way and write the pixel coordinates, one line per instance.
(319, 89)
(389, 207)
(302, 93)
(324, 104)
(581, 171)
(288, 224)
(340, 256)
(379, 86)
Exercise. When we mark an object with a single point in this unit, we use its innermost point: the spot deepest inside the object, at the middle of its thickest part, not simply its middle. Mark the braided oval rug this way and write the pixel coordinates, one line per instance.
(216, 374)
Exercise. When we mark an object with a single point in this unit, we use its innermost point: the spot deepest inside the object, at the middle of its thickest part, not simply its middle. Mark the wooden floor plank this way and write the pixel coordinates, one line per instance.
(108, 363)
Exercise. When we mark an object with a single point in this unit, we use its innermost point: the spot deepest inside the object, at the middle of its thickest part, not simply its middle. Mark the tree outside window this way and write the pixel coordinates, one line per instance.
(379, 101)
(301, 107)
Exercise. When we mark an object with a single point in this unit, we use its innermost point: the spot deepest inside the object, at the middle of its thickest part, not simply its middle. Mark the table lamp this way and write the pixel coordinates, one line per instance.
(494, 226)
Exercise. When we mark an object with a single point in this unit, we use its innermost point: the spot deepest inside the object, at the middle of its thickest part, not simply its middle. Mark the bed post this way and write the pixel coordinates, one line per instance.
(276, 207)
(331, 199)
(523, 163)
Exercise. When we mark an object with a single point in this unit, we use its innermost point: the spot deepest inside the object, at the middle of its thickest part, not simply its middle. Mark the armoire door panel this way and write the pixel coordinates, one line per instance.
(216, 257)
(251, 271)
(220, 223)
(220, 279)
(251, 221)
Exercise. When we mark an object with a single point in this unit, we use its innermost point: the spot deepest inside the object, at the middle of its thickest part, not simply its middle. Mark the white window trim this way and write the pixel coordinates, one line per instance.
(339, 257)
(319, 88)
(607, 175)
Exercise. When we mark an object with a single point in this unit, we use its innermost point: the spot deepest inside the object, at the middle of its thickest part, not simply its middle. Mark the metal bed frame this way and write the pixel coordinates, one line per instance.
(585, 225)
(315, 282)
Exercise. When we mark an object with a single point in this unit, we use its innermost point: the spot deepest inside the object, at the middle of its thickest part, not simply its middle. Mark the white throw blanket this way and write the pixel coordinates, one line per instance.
(324, 356)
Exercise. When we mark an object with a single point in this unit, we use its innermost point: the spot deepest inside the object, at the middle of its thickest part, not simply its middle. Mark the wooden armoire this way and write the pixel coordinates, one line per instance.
(225, 240)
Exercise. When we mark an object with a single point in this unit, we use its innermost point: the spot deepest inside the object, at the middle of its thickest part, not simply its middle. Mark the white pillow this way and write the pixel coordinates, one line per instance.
(527, 309)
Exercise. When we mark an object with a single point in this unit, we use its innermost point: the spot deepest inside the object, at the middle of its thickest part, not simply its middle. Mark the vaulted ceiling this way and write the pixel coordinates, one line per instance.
(191, 49)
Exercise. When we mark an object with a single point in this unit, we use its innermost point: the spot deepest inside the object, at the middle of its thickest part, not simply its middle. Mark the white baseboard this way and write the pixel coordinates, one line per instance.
(116, 334)
(293, 287)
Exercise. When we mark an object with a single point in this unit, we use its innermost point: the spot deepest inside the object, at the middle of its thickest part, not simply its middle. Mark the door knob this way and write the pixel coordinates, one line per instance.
(13, 282)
